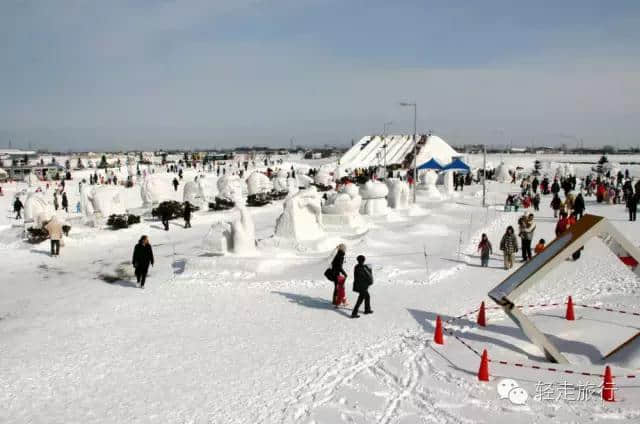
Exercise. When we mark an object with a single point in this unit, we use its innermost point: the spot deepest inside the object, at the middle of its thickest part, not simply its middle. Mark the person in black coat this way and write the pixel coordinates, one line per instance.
(17, 207)
(65, 202)
(142, 258)
(632, 205)
(187, 215)
(175, 184)
(337, 268)
(578, 206)
(362, 279)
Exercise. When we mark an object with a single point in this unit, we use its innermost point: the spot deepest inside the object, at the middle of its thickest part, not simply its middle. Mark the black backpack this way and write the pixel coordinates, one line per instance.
(329, 274)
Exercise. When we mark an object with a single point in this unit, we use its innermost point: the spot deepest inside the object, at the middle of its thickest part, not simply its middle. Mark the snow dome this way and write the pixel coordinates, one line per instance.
(374, 196)
(38, 209)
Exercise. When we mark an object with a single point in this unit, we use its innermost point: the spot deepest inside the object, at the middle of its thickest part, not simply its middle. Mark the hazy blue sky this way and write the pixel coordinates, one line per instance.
(84, 74)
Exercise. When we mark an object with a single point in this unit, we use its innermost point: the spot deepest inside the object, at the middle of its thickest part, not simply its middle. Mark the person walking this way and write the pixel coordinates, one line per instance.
(54, 228)
(142, 258)
(187, 215)
(65, 202)
(509, 247)
(337, 269)
(632, 205)
(56, 205)
(362, 280)
(556, 203)
(578, 206)
(539, 247)
(165, 214)
(526, 234)
(175, 184)
(563, 224)
(17, 207)
(485, 249)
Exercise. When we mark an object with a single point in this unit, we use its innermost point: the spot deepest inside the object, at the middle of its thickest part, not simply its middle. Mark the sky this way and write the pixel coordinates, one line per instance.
(89, 75)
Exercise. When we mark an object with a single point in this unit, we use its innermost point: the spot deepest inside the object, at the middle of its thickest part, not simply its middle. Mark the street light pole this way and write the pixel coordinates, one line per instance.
(384, 134)
(415, 146)
(484, 176)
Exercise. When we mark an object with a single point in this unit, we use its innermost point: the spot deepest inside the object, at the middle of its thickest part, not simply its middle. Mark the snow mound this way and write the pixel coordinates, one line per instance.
(301, 219)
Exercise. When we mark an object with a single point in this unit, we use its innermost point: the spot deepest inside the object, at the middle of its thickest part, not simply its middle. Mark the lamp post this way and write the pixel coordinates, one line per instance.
(415, 146)
(384, 135)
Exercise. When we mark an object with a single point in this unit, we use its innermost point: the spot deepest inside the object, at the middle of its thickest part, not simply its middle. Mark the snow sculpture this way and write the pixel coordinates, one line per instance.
(323, 179)
(341, 211)
(374, 198)
(237, 236)
(502, 173)
(429, 179)
(192, 194)
(280, 181)
(301, 219)
(447, 180)
(37, 209)
(218, 239)
(258, 183)
(243, 233)
(150, 191)
(398, 193)
(229, 187)
(86, 207)
(106, 201)
(205, 191)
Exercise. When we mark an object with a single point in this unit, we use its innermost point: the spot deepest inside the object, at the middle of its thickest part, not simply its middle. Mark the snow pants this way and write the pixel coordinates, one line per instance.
(508, 260)
(362, 296)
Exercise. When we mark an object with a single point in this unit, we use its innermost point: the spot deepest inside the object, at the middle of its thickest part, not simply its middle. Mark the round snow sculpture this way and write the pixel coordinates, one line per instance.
(398, 193)
(243, 233)
(258, 183)
(502, 173)
(304, 181)
(218, 239)
(191, 193)
(230, 188)
(301, 219)
(374, 198)
(106, 201)
(429, 179)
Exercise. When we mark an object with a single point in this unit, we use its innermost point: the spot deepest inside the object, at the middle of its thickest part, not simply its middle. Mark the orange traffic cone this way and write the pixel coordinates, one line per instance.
(482, 317)
(483, 372)
(437, 337)
(570, 316)
(608, 388)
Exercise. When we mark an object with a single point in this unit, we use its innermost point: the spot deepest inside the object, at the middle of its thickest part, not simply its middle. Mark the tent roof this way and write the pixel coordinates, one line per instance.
(457, 165)
(431, 164)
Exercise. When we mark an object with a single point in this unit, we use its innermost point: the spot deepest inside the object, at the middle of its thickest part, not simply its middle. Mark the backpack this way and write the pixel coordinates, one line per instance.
(328, 273)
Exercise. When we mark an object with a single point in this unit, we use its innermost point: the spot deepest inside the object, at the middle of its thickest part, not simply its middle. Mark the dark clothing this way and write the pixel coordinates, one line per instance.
(526, 249)
(362, 296)
(142, 255)
(65, 202)
(578, 206)
(17, 207)
(55, 247)
(632, 205)
(337, 265)
(187, 215)
(142, 258)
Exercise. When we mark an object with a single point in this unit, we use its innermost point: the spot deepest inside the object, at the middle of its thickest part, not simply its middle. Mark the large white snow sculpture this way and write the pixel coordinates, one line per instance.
(447, 180)
(258, 183)
(280, 181)
(193, 193)
(341, 211)
(32, 180)
(106, 200)
(151, 191)
(398, 193)
(243, 232)
(301, 219)
(37, 209)
(230, 187)
(237, 236)
(374, 198)
(323, 178)
(429, 179)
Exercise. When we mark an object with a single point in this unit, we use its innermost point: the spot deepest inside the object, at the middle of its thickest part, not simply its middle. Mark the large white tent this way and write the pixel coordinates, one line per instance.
(395, 150)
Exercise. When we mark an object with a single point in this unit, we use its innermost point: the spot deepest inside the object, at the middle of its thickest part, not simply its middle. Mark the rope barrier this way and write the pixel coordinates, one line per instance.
(452, 333)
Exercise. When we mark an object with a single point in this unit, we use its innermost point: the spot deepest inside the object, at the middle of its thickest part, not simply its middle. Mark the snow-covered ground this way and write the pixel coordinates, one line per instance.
(232, 339)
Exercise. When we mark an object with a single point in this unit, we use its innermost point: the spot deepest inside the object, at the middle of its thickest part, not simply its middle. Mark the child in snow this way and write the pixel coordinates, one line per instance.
(539, 247)
(485, 249)
(341, 296)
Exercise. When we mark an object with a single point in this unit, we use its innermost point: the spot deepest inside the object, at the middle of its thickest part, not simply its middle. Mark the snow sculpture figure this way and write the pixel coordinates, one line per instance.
(429, 179)
(150, 191)
(324, 180)
(447, 180)
(292, 186)
(229, 187)
(32, 180)
(374, 198)
(37, 209)
(341, 211)
(106, 201)
(280, 181)
(205, 191)
(258, 187)
(398, 193)
(86, 207)
(218, 239)
(301, 219)
(243, 232)
(191, 194)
